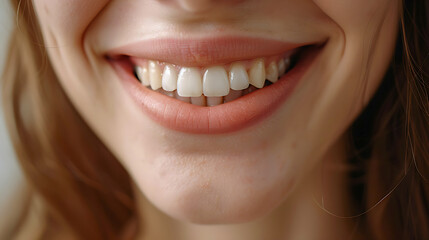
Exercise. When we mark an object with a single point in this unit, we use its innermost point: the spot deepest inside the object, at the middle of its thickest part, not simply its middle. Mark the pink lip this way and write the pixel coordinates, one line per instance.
(204, 52)
(225, 118)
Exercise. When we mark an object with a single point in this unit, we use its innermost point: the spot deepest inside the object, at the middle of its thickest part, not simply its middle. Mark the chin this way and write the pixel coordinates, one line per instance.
(215, 194)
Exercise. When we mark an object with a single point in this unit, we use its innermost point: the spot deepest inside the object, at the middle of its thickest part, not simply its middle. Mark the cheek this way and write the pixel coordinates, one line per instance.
(355, 14)
(66, 20)
(368, 31)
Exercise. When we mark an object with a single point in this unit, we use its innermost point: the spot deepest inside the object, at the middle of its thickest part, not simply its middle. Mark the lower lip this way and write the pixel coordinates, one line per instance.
(237, 115)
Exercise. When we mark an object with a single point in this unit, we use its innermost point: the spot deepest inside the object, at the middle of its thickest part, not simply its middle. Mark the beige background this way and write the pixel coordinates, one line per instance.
(9, 171)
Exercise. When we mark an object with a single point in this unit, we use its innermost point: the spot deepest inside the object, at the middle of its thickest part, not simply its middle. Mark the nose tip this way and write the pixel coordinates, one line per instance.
(198, 6)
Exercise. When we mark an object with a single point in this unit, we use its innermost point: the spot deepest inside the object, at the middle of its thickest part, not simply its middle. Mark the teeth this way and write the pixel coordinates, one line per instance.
(215, 82)
(143, 75)
(238, 77)
(170, 94)
(214, 101)
(281, 66)
(183, 99)
(154, 75)
(216, 86)
(189, 82)
(199, 101)
(257, 73)
(169, 78)
(272, 72)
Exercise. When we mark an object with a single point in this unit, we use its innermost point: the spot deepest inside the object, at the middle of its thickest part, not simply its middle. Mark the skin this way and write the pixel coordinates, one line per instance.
(260, 183)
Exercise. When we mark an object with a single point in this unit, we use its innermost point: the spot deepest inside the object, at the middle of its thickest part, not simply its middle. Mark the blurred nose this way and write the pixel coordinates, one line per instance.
(198, 6)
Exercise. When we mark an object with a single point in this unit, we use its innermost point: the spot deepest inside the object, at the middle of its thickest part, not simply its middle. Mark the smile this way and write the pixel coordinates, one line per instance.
(231, 92)
(213, 85)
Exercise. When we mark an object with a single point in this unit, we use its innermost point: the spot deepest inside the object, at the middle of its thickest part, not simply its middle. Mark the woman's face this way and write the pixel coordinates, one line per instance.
(238, 160)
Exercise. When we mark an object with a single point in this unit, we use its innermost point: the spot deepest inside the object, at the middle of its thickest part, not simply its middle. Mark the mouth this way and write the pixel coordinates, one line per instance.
(200, 88)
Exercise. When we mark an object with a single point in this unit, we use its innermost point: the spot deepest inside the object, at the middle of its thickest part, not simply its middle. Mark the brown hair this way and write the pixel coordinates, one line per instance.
(85, 189)
(87, 192)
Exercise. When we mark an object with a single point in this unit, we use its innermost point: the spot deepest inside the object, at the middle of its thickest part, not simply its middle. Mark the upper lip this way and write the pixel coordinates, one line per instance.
(204, 51)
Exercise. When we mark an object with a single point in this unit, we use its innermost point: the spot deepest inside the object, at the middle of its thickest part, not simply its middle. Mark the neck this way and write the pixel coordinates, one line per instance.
(312, 211)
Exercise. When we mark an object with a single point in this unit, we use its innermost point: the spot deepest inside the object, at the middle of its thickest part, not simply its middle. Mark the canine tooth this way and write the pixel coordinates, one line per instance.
(155, 75)
(183, 99)
(272, 72)
(257, 73)
(281, 66)
(143, 75)
(233, 94)
(238, 77)
(215, 82)
(169, 78)
(200, 101)
(214, 101)
(189, 82)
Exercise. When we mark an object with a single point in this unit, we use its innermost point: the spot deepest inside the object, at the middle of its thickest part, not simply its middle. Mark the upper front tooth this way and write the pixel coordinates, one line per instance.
(215, 82)
(155, 75)
(189, 82)
(143, 75)
(257, 73)
(238, 77)
(169, 78)
(272, 72)
(183, 99)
